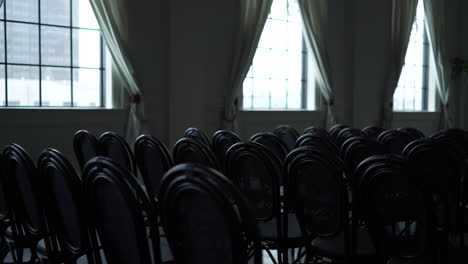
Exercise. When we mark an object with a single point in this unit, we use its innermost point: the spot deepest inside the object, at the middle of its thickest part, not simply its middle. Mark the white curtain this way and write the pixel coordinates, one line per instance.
(251, 18)
(1, 2)
(315, 18)
(435, 24)
(403, 15)
(112, 16)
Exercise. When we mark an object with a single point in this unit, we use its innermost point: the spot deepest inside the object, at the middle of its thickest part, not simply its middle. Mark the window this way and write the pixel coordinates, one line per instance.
(51, 54)
(416, 89)
(277, 77)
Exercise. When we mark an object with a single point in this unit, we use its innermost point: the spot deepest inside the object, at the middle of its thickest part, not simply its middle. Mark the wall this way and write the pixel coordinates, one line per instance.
(181, 49)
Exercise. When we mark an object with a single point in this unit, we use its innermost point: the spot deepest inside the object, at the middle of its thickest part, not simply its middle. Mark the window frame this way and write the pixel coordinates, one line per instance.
(103, 67)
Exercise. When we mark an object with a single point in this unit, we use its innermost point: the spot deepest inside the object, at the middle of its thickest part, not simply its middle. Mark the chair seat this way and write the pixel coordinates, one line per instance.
(334, 248)
(268, 232)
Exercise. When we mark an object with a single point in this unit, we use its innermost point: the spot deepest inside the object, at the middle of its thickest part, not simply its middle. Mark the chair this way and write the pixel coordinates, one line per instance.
(206, 219)
(399, 217)
(395, 140)
(347, 133)
(335, 130)
(86, 147)
(415, 133)
(4, 212)
(356, 149)
(153, 160)
(117, 149)
(254, 170)
(22, 188)
(316, 190)
(439, 168)
(222, 140)
(288, 135)
(319, 140)
(198, 135)
(121, 213)
(373, 131)
(272, 142)
(187, 150)
(65, 210)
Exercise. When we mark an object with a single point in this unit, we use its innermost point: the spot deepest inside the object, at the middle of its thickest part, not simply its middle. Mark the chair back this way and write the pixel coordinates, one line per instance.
(415, 133)
(336, 129)
(273, 143)
(65, 204)
(394, 140)
(348, 133)
(4, 210)
(205, 217)
(23, 192)
(397, 213)
(188, 150)
(288, 135)
(153, 160)
(251, 166)
(117, 149)
(222, 140)
(319, 140)
(121, 213)
(86, 147)
(373, 131)
(357, 149)
(315, 189)
(198, 135)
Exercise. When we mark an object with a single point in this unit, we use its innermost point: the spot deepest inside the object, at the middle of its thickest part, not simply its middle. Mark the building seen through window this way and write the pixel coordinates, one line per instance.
(51, 54)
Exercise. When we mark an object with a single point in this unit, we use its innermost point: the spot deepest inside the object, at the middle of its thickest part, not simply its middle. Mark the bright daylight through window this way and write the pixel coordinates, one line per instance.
(51, 54)
(416, 89)
(277, 79)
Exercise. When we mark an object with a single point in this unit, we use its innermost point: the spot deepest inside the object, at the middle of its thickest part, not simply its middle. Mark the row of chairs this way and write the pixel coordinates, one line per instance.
(301, 195)
(49, 214)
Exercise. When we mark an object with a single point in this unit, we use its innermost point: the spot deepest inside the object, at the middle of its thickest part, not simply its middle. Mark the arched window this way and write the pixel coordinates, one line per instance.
(277, 79)
(416, 89)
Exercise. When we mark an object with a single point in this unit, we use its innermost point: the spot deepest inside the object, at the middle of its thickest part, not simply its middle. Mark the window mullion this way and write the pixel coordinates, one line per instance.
(40, 52)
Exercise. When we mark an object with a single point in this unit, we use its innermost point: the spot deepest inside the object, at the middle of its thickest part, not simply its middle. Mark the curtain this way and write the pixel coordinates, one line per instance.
(112, 18)
(435, 25)
(315, 18)
(1, 2)
(403, 15)
(252, 15)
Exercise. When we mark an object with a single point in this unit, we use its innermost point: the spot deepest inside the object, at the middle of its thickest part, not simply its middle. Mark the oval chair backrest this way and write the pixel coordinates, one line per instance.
(251, 166)
(316, 191)
(373, 131)
(117, 149)
(4, 210)
(121, 213)
(187, 150)
(357, 149)
(415, 133)
(65, 204)
(288, 135)
(205, 217)
(395, 141)
(23, 190)
(273, 143)
(318, 140)
(198, 135)
(335, 130)
(86, 147)
(438, 167)
(153, 160)
(348, 133)
(397, 213)
(222, 141)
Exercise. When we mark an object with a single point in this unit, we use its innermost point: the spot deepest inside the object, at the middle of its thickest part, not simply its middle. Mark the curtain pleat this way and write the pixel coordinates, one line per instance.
(112, 16)
(435, 24)
(403, 15)
(315, 17)
(251, 18)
